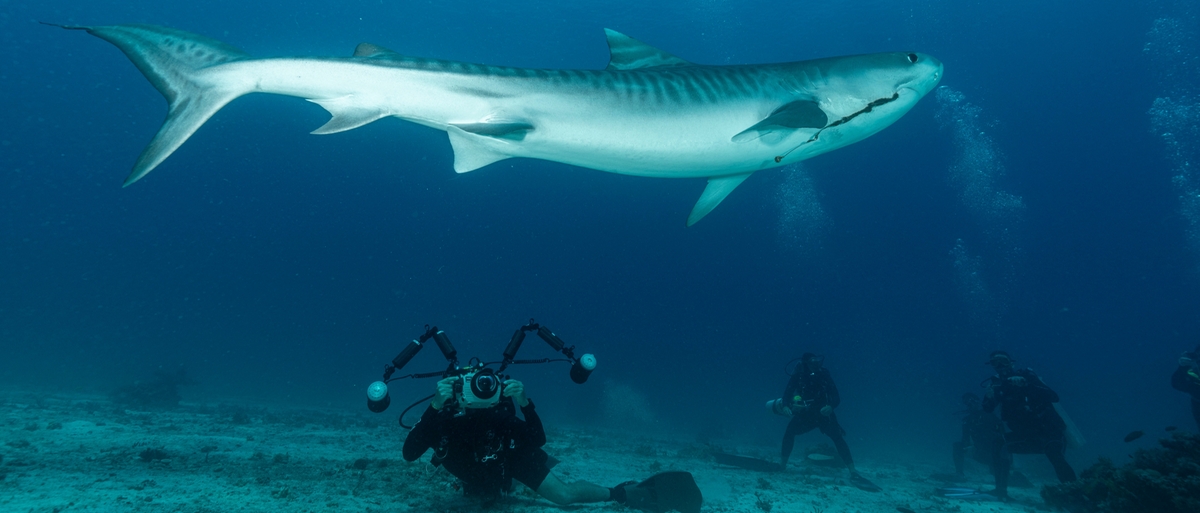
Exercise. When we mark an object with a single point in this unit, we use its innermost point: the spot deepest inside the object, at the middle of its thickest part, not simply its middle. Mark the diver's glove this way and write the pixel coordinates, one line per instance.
(516, 390)
(445, 392)
(827, 410)
(1018, 381)
(1186, 360)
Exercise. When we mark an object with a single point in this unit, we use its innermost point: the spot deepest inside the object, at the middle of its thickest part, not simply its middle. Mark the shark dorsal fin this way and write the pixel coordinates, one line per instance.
(374, 51)
(628, 53)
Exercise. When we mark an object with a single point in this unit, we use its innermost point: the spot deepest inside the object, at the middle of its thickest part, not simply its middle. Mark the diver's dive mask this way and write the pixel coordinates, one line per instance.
(813, 363)
(1000, 359)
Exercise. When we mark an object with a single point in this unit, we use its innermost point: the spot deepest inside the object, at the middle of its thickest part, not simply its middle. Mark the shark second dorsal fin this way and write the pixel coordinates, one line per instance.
(374, 51)
(625, 52)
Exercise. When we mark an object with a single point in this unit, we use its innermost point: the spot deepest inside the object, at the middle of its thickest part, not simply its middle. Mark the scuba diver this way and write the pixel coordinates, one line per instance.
(1034, 425)
(810, 397)
(471, 424)
(981, 431)
(485, 445)
(1187, 379)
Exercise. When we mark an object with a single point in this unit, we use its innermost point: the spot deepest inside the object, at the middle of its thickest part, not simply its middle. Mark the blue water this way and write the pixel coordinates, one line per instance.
(1029, 205)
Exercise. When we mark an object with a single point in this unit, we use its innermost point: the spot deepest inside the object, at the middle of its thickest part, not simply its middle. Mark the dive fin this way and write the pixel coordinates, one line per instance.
(718, 187)
(667, 491)
(791, 116)
(746, 462)
(347, 114)
(470, 153)
(864, 484)
(967, 494)
(174, 62)
(628, 53)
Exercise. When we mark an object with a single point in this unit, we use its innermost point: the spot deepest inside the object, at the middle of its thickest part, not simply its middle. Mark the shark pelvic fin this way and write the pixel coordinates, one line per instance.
(471, 151)
(791, 116)
(718, 187)
(174, 62)
(347, 114)
(375, 52)
(628, 53)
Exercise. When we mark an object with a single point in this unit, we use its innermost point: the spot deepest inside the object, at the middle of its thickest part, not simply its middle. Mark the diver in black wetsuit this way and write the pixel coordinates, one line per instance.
(1027, 408)
(811, 396)
(981, 431)
(488, 447)
(1187, 379)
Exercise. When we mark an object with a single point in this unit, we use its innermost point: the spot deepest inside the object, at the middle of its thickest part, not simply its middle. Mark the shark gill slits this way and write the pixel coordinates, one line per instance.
(912, 57)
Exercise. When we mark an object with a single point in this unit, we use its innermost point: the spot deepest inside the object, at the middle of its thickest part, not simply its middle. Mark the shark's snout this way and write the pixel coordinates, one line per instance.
(928, 73)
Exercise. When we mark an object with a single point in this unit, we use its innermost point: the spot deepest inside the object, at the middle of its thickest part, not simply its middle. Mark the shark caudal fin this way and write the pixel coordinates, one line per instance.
(173, 61)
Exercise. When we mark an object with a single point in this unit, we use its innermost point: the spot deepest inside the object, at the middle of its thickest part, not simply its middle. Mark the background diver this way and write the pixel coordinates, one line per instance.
(1034, 425)
(1187, 379)
(810, 398)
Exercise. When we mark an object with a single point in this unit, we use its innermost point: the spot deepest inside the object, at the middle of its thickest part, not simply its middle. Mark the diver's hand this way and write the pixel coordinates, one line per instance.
(826, 410)
(1018, 381)
(1186, 360)
(445, 392)
(516, 390)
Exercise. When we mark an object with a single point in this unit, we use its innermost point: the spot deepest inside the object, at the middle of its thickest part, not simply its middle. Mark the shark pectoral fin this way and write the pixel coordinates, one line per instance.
(470, 150)
(628, 53)
(718, 187)
(348, 114)
(514, 131)
(791, 116)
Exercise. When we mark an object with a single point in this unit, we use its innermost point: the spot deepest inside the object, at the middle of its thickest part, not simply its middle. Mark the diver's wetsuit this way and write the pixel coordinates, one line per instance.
(981, 432)
(1034, 425)
(806, 393)
(485, 448)
(1186, 379)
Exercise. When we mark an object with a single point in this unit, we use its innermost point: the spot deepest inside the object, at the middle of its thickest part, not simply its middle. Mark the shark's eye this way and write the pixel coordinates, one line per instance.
(912, 57)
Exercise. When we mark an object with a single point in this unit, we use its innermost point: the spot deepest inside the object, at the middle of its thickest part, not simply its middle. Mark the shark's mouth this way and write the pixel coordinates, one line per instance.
(870, 106)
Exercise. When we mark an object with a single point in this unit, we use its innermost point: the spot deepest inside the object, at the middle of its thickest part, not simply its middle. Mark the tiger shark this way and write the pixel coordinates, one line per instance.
(648, 113)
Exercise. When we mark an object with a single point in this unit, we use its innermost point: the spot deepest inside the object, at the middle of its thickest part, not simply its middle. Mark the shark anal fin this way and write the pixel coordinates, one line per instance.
(471, 151)
(791, 116)
(348, 113)
(628, 53)
(514, 131)
(718, 187)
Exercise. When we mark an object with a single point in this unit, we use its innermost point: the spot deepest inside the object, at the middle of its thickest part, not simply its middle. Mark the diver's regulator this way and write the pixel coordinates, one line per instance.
(478, 385)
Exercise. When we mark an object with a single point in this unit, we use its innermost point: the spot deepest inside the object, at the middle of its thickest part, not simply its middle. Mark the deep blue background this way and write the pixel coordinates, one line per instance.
(279, 266)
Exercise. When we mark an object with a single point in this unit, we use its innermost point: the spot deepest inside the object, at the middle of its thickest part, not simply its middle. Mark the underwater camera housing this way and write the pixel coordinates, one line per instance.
(777, 407)
(478, 389)
(478, 386)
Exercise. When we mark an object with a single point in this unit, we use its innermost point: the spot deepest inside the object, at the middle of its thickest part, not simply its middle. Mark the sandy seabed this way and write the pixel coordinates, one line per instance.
(66, 453)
